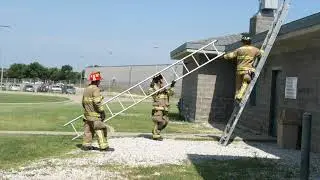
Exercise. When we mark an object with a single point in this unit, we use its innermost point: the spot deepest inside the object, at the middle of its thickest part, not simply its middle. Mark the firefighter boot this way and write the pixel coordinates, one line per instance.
(102, 141)
(156, 133)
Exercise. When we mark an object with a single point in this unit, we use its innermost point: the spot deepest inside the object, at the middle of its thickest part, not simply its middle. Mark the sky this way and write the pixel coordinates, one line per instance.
(119, 32)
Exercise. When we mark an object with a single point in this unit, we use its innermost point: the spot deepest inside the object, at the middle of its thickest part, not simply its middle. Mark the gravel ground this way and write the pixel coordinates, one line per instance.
(146, 152)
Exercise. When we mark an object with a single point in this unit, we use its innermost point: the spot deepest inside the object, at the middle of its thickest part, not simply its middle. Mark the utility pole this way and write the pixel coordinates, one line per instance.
(2, 26)
(82, 59)
(1, 69)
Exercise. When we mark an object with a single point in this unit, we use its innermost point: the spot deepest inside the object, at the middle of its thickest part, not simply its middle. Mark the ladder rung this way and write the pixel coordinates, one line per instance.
(142, 90)
(120, 103)
(75, 130)
(174, 72)
(205, 55)
(131, 97)
(185, 67)
(194, 59)
(109, 109)
(215, 48)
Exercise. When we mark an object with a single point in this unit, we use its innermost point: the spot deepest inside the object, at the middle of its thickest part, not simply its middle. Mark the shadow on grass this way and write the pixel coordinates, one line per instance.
(231, 167)
(173, 116)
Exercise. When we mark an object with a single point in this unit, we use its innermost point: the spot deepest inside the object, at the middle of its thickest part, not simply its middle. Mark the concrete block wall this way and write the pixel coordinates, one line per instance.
(297, 57)
(208, 92)
(189, 92)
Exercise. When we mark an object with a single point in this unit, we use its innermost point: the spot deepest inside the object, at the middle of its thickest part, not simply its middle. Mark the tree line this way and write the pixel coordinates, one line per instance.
(36, 70)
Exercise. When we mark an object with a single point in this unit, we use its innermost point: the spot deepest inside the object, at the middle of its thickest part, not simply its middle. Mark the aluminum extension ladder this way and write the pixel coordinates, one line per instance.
(266, 47)
(149, 79)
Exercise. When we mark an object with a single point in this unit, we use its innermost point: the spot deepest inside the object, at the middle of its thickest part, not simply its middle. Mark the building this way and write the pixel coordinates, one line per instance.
(288, 85)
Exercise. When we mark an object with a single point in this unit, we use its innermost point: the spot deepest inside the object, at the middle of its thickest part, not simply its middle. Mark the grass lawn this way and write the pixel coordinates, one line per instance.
(51, 117)
(26, 98)
(18, 150)
(209, 169)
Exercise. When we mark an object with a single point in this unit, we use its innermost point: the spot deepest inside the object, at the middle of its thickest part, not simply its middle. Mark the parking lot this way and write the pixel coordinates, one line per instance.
(59, 88)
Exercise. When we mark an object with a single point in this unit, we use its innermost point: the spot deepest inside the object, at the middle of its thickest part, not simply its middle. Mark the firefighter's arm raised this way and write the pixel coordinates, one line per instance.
(170, 90)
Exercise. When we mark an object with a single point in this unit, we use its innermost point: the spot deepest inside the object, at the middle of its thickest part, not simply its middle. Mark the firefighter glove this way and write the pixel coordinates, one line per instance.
(152, 84)
(103, 116)
(173, 83)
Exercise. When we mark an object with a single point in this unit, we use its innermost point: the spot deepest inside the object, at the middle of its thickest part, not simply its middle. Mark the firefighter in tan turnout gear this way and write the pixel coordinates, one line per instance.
(160, 105)
(245, 56)
(94, 115)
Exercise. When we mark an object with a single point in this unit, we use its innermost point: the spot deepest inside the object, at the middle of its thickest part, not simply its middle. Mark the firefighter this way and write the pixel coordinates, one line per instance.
(94, 115)
(245, 56)
(160, 105)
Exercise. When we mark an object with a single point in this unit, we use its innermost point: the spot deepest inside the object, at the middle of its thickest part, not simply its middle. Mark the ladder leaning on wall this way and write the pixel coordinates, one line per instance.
(129, 93)
(266, 47)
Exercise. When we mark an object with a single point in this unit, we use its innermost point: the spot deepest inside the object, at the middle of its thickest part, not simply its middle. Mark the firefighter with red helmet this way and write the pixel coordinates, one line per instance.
(94, 115)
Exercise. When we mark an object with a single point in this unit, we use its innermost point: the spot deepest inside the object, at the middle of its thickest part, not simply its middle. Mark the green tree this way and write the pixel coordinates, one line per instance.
(54, 74)
(35, 70)
(17, 70)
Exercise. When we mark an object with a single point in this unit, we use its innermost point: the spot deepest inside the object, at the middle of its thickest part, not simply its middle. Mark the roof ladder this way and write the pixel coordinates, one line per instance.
(139, 85)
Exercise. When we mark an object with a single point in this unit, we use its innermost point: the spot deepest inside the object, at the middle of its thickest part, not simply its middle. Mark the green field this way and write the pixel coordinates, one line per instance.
(26, 98)
(16, 151)
(52, 117)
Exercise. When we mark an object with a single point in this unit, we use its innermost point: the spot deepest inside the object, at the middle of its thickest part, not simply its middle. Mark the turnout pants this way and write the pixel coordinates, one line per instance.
(160, 119)
(243, 79)
(95, 127)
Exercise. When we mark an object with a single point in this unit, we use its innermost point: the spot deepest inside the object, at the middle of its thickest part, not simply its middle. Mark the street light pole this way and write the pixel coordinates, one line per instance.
(1, 69)
(2, 26)
(82, 58)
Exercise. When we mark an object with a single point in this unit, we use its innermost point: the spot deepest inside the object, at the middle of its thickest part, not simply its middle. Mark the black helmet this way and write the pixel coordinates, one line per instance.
(246, 39)
(157, 78)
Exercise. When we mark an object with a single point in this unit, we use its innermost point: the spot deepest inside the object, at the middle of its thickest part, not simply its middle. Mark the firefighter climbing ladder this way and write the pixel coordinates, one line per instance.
(266, 47)
(189, 70)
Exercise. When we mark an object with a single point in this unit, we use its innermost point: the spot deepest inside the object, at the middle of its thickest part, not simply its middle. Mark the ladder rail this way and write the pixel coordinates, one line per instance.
(267, 46)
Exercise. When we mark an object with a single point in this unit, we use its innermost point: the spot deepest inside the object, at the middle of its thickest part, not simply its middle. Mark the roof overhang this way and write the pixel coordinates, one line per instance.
(299, 27)
(187, 52)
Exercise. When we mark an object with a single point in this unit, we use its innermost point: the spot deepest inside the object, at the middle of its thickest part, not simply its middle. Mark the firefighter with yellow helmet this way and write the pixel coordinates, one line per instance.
(94, 115)
(245, 56)
(160, 105)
